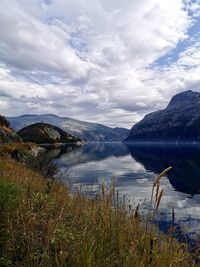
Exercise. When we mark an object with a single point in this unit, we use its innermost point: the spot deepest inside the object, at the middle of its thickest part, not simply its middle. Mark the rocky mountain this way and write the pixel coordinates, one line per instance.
(7, 134)
(92, 132)
(43, 133)
(178, 122)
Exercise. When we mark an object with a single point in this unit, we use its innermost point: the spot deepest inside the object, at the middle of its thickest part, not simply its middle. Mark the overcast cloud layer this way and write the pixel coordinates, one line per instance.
(106, 61)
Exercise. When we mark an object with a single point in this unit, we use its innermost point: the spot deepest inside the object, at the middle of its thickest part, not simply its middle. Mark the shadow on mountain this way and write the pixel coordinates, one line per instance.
(185, 160)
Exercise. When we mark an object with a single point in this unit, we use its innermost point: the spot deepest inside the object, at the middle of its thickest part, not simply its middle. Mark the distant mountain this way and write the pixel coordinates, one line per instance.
(43, 133)
(178, 122)
(92, 132)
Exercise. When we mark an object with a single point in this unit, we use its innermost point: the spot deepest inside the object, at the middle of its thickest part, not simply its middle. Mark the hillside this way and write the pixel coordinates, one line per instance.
(92, 132)
(43, 133)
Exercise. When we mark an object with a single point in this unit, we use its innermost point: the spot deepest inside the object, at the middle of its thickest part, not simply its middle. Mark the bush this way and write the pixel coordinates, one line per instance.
(42, 164)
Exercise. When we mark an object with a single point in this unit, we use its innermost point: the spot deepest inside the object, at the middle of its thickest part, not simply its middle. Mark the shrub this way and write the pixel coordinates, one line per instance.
(42, 164)
(4, 121)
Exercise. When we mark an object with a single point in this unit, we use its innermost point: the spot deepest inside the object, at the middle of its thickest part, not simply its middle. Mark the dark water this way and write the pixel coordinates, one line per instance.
(133, 169)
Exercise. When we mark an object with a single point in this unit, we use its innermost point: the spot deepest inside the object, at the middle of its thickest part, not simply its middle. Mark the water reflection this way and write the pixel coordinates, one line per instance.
(133, 168)
(185, 160)
(89, 152)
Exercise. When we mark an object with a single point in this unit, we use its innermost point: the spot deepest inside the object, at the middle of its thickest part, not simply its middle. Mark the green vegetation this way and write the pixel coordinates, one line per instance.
(43, 224)
(8, 201)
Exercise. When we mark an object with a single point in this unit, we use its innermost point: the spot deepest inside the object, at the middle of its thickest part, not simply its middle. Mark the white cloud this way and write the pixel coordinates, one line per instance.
(93, 60)
(30, 44)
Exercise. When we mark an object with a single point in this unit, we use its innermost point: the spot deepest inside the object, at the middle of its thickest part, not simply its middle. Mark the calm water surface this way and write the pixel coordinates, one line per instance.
(133, 169)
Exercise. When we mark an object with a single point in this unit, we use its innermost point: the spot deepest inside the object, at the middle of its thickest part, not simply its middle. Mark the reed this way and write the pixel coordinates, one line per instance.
(49, 226)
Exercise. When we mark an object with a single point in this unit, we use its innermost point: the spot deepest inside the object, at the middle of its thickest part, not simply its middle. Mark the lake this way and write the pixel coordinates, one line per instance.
(133, 169)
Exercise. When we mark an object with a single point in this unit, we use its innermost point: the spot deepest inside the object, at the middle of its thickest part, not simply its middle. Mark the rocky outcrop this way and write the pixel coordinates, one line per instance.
(20, 151)
(43, 133)
(12, 146)
(7, 134)
(179, 122)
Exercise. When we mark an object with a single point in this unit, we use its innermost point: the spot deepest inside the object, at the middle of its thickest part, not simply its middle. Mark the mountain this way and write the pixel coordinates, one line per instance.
(43, 133)
(92, 132)
(178, 122)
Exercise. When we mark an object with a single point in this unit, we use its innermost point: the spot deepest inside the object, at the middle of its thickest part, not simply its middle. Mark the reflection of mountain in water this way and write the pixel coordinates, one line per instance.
(133, 169)
(185, 160)
(73, 155)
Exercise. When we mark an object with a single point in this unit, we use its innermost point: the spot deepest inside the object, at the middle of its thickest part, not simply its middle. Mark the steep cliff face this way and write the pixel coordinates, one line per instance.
(179, 122)
(43, 133)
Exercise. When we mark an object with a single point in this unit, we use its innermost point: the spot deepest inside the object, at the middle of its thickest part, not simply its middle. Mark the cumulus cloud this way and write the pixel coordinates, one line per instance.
(30, 44)
(96, 60)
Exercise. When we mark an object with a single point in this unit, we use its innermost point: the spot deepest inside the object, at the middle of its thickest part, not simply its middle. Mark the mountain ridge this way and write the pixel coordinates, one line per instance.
(87, 131)
(178, 122)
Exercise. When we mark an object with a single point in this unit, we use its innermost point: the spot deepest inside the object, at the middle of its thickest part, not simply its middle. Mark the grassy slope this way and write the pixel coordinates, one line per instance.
(20, 147)
(42, 224)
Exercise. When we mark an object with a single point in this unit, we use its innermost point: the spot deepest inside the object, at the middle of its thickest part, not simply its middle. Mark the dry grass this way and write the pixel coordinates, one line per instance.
(45, 225)
(7, 129)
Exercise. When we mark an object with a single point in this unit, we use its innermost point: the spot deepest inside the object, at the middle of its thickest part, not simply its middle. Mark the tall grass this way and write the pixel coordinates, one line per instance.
(49, 226)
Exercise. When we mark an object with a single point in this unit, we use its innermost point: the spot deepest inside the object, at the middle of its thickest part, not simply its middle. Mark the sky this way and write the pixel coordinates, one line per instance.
(105, 61)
